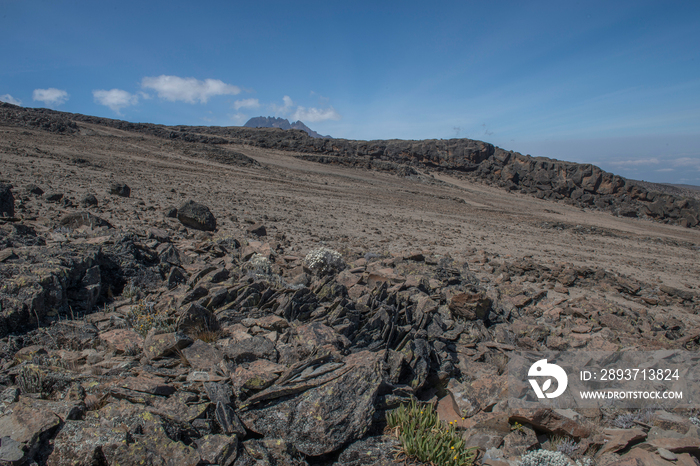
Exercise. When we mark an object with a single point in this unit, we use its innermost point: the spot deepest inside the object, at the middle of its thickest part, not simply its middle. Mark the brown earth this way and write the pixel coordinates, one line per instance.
(158, 339)
(356, 210)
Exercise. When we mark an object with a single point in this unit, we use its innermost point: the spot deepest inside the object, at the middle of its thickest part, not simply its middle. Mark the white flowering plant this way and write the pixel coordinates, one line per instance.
(258, 265)
(324, 261)
(545, 458)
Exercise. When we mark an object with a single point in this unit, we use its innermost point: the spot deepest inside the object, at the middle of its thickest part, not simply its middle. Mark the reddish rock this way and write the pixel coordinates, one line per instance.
(470, 306)
(122, 340)
(678, 445)
(164, 344)
(548, 420)
(619, 439)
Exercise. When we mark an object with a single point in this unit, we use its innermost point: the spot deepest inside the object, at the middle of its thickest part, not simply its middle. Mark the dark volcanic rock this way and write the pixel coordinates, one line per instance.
(195, 215)
(120, 189)
(34, 189)
(7, 201)
(89, 200)
(324, 418)
(78, 219)
(53, 196)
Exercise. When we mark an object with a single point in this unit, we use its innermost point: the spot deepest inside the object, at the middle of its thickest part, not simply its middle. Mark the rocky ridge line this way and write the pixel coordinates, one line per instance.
(583, 185)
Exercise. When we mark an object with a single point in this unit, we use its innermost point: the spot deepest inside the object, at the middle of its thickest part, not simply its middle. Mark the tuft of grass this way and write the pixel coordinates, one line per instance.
(208, 336)
(94, 402)
(424, 438)
(184, 362)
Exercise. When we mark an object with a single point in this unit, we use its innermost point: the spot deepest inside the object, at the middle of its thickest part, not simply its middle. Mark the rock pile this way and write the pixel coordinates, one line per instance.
(185, 347)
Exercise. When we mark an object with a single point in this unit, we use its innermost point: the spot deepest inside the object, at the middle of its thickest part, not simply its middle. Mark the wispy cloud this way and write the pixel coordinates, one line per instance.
(686, 162)
(246, 103)
(238, 118)
(283, 109)
(116, 99)
(188, 90)
(309, 115)
(50, 96)
(314, 115)
(10, 100)
(634, 162)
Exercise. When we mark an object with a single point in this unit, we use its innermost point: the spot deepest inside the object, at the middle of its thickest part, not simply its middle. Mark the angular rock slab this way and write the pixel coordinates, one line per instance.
(79, 443)
(164, 344)
(27, 426)
(371, 451)
(324, 418)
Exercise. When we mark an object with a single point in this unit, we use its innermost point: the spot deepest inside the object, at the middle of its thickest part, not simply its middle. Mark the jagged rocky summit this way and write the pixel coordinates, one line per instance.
(281, 123)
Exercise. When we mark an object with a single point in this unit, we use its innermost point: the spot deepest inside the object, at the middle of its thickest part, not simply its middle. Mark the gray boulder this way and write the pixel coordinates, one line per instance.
(325, 418)
(195, 215)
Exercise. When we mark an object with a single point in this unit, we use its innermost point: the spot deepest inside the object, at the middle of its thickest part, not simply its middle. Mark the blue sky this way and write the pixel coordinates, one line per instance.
(616, 84)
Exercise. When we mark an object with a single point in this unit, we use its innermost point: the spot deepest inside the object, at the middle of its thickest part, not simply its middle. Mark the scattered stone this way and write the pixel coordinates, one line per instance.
(34, 189)
(120, 189)
(78, 219)
(52, 196)
(89, 200)
(257, 229)
(197, 216)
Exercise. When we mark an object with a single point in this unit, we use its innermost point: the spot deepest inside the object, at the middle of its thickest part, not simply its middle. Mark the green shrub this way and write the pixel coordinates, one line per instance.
(424, 438)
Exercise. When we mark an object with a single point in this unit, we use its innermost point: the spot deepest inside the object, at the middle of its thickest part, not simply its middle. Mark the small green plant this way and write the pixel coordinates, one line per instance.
(424, 438)
(516, 427)
(143, 317)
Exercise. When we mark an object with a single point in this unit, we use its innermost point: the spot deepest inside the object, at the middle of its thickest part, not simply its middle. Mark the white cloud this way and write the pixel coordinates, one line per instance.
(620, 163)
(665, 170)
(686, 162)
(284, 109)
(10, 100)
(50, 96)
(314, 115)
(246, 103)
(239, 118)
(189, 90)
(116, 99)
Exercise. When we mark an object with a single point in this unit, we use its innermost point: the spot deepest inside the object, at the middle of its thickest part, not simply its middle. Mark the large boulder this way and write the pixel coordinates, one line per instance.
(7, 201)
(325, 418)
(195, 215)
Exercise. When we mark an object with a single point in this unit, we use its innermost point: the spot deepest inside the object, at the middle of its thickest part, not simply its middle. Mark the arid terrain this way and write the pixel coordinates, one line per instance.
(441, 276)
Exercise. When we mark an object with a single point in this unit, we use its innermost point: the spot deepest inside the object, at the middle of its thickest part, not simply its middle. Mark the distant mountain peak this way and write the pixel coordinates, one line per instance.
(281, 123)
